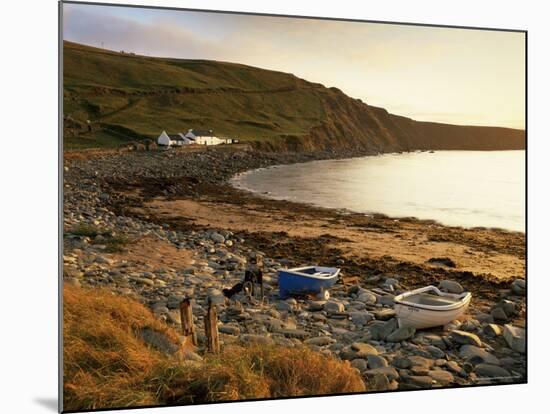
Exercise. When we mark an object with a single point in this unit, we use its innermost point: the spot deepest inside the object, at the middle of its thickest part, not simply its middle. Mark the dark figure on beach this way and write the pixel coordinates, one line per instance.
(253, 276)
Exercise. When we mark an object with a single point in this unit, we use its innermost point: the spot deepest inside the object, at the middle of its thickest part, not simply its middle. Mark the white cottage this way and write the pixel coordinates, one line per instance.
(193, 136)
(185, 140)
(204, 137)
(173, 140)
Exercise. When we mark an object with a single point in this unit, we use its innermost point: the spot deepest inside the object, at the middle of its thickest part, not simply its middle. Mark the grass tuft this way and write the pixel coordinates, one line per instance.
(85, 230)
(241, 373)
(113, 243)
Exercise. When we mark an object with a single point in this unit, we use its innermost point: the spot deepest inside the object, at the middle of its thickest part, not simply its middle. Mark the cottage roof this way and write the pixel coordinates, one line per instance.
(184, 137)
(202, 132)
(176, 137)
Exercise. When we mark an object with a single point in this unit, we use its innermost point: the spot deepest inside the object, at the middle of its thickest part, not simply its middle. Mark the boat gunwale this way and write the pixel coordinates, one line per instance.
(409, 305)
(295, 271)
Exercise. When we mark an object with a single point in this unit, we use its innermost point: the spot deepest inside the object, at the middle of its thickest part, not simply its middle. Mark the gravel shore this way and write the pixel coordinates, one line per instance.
(135, 223)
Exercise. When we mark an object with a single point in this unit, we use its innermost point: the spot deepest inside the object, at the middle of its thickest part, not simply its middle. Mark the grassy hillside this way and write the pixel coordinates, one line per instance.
(111, 98)
(117, 354)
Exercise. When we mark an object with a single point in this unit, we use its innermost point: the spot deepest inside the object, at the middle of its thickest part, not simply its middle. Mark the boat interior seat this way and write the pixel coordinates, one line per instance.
(431, 300)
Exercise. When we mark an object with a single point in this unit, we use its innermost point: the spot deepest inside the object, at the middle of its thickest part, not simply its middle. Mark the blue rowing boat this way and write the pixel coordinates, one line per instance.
(307, 280)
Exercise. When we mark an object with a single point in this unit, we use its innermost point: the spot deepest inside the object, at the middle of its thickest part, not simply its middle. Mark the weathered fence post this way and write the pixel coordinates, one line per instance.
(211, 328)
(187, 325)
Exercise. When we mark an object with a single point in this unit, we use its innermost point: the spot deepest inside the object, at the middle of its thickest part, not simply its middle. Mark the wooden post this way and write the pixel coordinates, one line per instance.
(187, 325)
(262, 287)
(211, 328)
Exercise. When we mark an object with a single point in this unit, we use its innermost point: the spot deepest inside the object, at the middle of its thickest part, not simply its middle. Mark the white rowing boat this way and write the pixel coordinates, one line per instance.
(428, 307)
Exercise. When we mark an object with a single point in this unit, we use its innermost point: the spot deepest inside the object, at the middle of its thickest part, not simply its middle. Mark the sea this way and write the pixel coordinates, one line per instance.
(457, 188)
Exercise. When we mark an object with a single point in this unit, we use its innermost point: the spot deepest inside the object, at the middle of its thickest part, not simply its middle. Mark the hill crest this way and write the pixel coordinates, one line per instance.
(114, 97)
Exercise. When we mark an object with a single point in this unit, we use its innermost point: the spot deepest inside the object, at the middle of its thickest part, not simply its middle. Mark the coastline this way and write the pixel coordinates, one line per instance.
(161, 180)
(269, 176)
(173, 206)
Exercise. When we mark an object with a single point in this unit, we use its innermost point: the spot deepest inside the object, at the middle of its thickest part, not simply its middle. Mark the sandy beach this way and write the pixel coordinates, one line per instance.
(358, 243)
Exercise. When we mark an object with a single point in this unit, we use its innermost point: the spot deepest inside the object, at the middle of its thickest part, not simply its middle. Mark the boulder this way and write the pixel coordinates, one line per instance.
(361, 317)
(376, 361)
(515, 338)
(346, 353)
(333, 306)
(435, 340)
(71, 281)
(384, 314)
(484, 318)
(451, 286)
(390, 373)
(359, 364)
(470, 325)
(401, 362)
(216, 299)
(380, 330)
(441, 377)
(160, 308)
(435, 352)
(158, 340)
(491, 371)
(320, 341)
(294, 333)
(465, 338)
(229, 329)
(386, 300)
(316, 305)
(518, 287)
(492, 330)
(292, 302)
(174, 317)
(217, 238)
(454, 367)
(364, 349)
(366, 297)
(451, 326)
(283, 306)
(104, 260)
(377, 381)
(401, 334)
(419, 381)
(475, 355)
(419, 361)
(499, 314)
(509, 307)
(188, 355)
(286, 342)
(391, 282)
(256, 339)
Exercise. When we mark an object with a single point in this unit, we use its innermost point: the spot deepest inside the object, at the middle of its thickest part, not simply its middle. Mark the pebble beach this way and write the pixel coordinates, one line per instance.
(161, 226)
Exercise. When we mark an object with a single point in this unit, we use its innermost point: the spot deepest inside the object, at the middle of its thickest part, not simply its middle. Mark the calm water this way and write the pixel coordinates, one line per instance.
(464, 188)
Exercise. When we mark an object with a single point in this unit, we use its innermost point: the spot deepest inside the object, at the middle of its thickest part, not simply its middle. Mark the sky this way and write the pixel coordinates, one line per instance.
(459, 76)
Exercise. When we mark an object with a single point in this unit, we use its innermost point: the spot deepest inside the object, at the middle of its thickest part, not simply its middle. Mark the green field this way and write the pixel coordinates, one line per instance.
(144, 96)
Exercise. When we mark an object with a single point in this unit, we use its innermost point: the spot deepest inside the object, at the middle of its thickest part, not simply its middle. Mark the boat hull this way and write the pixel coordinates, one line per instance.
(411, 313)
(292, 281)
(408, 315)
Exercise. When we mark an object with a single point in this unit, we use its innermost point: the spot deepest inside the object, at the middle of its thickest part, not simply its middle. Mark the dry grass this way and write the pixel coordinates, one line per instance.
(108, 365)
(105, 363)
(262, 372)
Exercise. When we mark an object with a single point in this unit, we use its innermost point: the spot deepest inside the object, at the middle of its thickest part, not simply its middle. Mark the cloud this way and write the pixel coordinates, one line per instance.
(116, 33)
